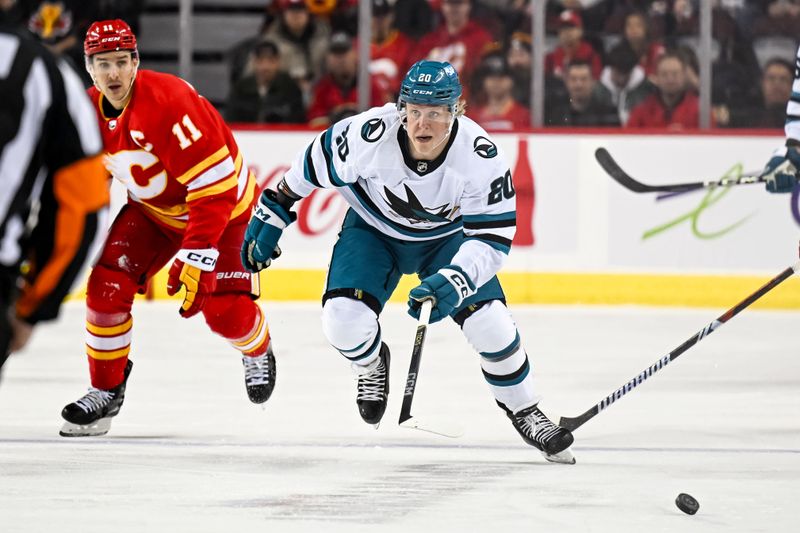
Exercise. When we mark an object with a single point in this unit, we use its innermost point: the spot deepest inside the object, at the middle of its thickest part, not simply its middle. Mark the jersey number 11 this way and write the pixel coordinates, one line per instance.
(179, 133)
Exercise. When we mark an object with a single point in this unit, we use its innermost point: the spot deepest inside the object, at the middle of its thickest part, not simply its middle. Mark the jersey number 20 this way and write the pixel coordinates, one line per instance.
(501, 188)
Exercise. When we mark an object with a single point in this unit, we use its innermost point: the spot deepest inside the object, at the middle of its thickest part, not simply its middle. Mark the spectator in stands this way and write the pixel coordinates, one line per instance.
(776, 89)
(588, 104)
(571, 47)
(593, 12)
(692, 63)
(781, 17)
(336, 95)
(302, 41)
(656, 12)
(673, 105)
(268, 94)
(683, 18)
(10, 13)
(414, 18)
(54, 24)
(497, 109)
(744, 12)
(459, 40)
(62, 24)
(390, 51)
(625, 80)
(518, 58)
(128, 10)
(637, 34)
(736, 71)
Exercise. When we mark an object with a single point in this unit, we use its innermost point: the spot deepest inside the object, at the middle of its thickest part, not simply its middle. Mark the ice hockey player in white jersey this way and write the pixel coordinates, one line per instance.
(429, 194)
(781, 172)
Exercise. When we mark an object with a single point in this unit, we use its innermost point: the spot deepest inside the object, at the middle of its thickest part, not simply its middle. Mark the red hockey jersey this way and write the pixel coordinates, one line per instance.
(178, 159)
(390, 60)
(514, 116)
(463, 50)
(652, 113)
(556, 62)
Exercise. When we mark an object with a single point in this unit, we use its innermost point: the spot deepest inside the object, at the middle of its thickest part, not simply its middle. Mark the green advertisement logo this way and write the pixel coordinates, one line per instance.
(693, 217)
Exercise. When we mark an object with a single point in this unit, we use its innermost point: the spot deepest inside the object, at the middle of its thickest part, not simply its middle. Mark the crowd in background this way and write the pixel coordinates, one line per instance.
(609, 63)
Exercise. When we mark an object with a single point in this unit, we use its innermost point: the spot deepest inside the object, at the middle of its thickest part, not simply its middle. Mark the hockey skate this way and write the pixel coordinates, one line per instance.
(91, 415)
(259, 375)
(373, 387)
(537, 430)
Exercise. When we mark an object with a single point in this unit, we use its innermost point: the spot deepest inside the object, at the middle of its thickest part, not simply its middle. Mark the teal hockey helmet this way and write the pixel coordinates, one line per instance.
(430, 83)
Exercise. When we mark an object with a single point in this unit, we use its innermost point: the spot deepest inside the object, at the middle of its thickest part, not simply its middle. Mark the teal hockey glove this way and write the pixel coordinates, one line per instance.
(449, 287)
(260, 245)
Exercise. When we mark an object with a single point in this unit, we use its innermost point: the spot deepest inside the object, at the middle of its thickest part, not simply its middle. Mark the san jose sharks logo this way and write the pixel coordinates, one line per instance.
(484, 147)
(372, 130)
(413, 210)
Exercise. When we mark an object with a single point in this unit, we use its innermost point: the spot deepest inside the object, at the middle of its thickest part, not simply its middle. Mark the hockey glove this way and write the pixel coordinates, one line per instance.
(781, 171)
(449, 287)
(194, 269)
(265, 228)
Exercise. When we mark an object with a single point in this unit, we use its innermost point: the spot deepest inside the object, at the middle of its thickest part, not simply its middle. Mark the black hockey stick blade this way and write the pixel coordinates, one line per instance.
(439, 427)
(573, 423)
(613, 169)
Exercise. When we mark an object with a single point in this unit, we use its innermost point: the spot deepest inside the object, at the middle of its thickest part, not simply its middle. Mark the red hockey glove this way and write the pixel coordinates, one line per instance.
(193, 269)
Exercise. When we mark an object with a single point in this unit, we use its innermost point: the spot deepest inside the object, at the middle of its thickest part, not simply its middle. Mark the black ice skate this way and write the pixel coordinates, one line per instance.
(91, 415)
(259, 375)
(373, 387)
(538, 431)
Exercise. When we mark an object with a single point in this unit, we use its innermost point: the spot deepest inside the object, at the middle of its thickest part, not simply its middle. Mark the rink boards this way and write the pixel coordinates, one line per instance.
(582, 238)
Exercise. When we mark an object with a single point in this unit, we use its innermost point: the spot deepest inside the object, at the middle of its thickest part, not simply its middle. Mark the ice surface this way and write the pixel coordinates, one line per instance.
(188, 452)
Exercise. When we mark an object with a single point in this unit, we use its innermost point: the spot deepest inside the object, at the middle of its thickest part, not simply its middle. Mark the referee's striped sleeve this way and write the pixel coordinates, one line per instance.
(81, 111)
(50, 164)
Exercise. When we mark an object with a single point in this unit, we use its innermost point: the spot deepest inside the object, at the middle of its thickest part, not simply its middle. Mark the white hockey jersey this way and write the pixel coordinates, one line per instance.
(793, 106)
(467, 188)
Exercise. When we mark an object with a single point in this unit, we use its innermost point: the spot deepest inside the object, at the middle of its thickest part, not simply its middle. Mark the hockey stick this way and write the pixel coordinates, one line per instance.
(623, 178)
(576, 422)
(406, 420)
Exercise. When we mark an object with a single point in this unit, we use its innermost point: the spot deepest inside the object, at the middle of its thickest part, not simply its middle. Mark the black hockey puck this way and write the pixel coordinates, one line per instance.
(686, 503)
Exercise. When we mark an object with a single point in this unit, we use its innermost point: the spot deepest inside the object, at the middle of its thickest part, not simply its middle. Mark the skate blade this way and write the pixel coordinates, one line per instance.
(437, 427)
(95, 429)
(563, 457)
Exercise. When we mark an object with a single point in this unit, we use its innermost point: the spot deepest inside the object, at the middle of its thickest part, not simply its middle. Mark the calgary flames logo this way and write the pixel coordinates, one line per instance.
(139, 171)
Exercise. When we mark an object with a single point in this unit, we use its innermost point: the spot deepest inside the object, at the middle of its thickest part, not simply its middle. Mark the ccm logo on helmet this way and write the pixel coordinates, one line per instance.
(421, 91)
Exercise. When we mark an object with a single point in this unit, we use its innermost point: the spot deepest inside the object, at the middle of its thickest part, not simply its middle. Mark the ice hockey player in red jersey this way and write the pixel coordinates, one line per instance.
(189, 197)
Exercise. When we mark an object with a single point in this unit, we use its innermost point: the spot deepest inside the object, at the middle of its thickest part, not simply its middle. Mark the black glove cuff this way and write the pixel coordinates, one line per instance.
(285, 196)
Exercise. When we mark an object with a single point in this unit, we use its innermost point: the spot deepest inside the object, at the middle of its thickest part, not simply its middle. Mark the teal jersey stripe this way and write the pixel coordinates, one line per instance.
(510, 215)
(328, 153)
(308, 168)
(511, 348)
(501, 247)
(498, 381)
